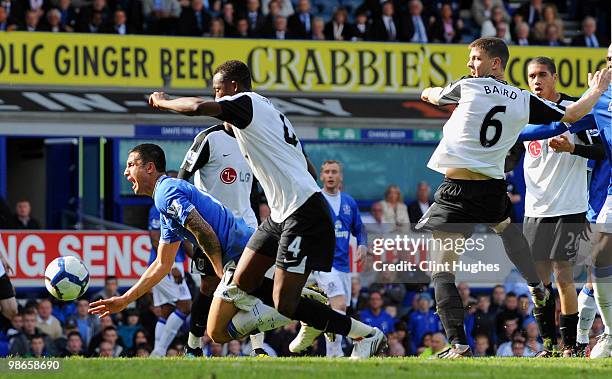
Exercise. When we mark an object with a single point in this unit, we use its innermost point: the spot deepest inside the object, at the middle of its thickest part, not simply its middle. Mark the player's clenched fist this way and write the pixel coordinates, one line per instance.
(156, 97)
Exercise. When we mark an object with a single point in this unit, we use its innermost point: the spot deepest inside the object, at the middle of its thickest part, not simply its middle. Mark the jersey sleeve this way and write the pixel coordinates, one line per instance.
(174, 203)
(543, 111)
(196, 157)
(451, 93)
(237, 110)
(166, 234)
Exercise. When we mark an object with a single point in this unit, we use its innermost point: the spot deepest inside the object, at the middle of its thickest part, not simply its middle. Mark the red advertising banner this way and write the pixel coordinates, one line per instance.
(119, 253)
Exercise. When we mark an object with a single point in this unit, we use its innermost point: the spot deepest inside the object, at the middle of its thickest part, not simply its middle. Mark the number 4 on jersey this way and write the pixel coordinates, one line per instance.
(294, 246)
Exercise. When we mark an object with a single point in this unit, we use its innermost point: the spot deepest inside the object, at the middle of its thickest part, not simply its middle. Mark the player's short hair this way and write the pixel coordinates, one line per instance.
(150, 152)
(236, 71)
(549, 63)
(494, 47)
(332, 161)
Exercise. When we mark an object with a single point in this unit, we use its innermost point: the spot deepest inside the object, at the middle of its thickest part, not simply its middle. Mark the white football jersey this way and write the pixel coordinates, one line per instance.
(268, 142)
(221, 170)
(2, 271)
(486, 123)
(556, 183)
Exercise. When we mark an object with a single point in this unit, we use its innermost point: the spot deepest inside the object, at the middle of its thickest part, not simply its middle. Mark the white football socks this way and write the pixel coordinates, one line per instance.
(159, 330)
(173, 324)
(257, 341)
(359, 329)
(261, 317)
(194, 341)
(602, 284)
(586, 314)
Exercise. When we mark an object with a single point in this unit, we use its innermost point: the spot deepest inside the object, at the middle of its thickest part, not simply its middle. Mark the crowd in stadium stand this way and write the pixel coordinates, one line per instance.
(498, 322)
(522, 22)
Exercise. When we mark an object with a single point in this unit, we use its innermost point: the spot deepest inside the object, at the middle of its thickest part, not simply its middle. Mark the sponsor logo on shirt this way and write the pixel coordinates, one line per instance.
(535, 149)
(346, 209)
(175, 209)
(228, 175)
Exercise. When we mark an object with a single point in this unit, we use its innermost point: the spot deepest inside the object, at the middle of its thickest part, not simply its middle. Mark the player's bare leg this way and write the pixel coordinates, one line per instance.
(220, 315)
(448, 302)
(199, 314)
(564, 280)
(251, 270)
(602, 284)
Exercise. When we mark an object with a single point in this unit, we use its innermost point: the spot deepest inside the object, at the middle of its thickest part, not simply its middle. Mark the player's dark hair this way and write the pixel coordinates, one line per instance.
(150, 152)
(235, 71)
(494, 47)
(549, 63)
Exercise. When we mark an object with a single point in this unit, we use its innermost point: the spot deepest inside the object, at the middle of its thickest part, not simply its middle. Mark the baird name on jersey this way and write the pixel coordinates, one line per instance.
(503, 91)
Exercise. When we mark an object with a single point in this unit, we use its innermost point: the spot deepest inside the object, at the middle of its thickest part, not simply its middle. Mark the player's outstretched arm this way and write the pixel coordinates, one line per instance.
(598, 84)
(432, 95)
(153, 275)
(207, 239)
(189, 106)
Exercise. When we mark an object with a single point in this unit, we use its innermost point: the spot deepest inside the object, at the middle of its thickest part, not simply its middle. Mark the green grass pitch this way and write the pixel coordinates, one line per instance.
(319, 368)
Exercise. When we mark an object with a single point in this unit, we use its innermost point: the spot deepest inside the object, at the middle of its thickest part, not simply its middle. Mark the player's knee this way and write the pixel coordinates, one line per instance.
(219, 336)
(245, 283)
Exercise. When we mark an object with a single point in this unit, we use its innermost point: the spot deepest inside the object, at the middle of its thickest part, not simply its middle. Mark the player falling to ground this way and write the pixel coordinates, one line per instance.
(218, 167)
(602, 245)
(171, 294)
(337, 283)
(480, 132)
(299, 235)
(555, 207)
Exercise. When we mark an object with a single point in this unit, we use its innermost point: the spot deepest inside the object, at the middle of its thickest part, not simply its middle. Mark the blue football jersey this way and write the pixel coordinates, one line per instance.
(603, 118)
(346, 222)
(154, 224)
(176, 198)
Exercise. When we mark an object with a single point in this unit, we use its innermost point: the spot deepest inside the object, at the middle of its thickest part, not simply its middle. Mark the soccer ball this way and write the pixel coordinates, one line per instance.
(66, 278)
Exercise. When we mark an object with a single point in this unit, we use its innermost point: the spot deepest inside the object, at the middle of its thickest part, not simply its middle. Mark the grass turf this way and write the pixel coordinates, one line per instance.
(318, 368)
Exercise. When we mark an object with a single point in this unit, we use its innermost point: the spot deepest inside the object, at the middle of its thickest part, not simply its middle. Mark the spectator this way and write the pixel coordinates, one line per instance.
(589, 34)
(161, 16)
(446, 29)
(215, 350)
(120, 25)
(482, 10)
(139, 339)
(510, 326)
(375, 316)
(371, 8)
(105, 350)
(415, 26)
(285, 7)
(110, 288)
(502, 32)
(255, 18)
(379, 227)
(518, 349)
(361, 27)
(143, 351)
(438, 344)
(358, 297)
(32, 19)
(95, 24)
(417, 208)
(464, 292)
(87, 324)
(318, 29)
(242, 28)
(531, 12)
(172, 351)
(533, 346)
(300, 23)
(4, 26)
(481, 345)
(127, 330)
(505, 349)
(552, 36)
(338, 28)
(264, 212)
(498, 297)
(423, 320)
(549, 16)
(68, 15)
(280, 28)
(194, 20)
(522, 35)
(20, 343)
(229, 20)
(94, 343)
(396, 349)
(54, 22)
(484, 319)
(234, 349)
(489, 26)
(46, 322)
(110, 336)
(74, 345)
(395, 211)
(38, 348)
(16, 326)
(217, 28)
(274, 9)
(97, 14)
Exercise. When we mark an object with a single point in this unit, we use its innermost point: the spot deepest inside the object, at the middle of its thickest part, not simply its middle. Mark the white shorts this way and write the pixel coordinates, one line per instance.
(168, 292)
(604, 220)
(335, 283)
